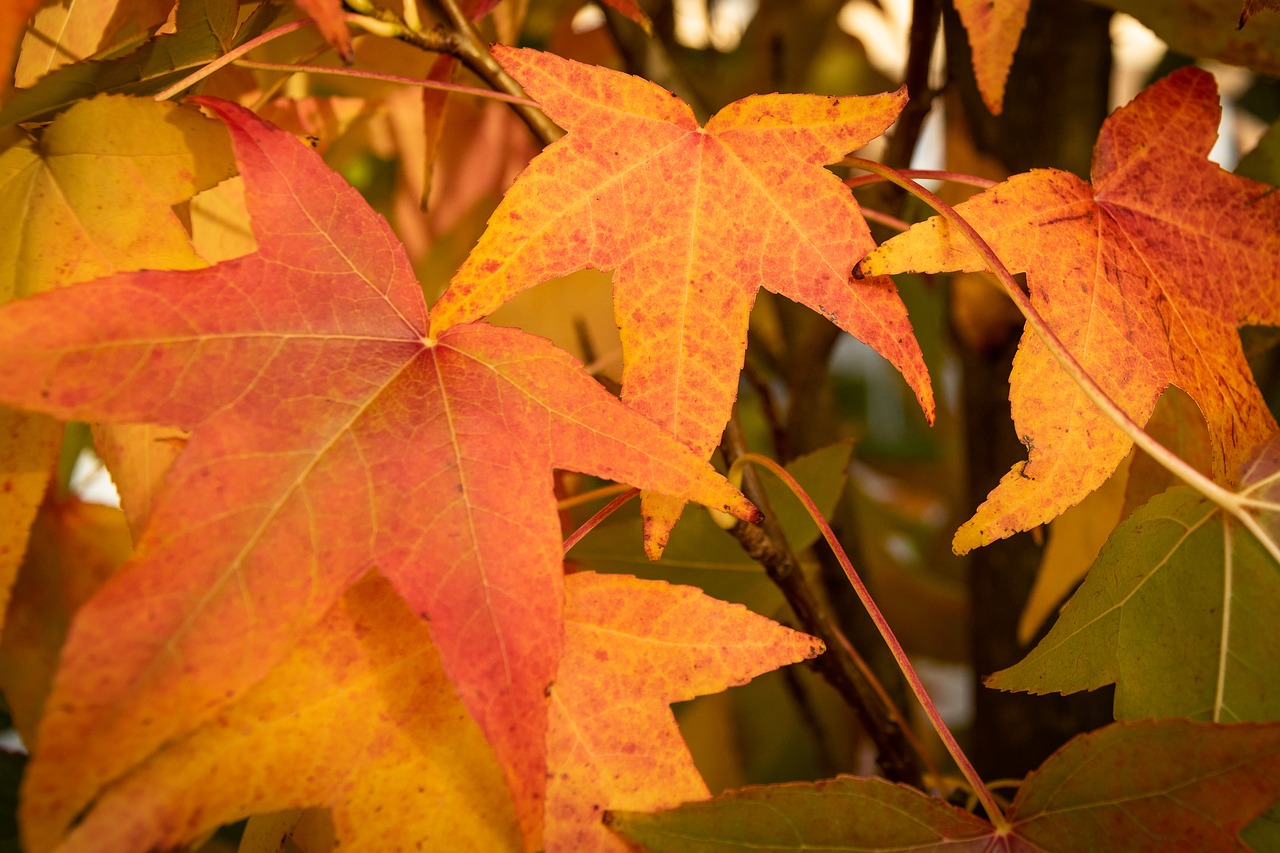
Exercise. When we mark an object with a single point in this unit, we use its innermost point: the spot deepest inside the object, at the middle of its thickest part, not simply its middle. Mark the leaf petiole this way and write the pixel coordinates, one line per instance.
(994, 813)
(388, 78)
(591, 523)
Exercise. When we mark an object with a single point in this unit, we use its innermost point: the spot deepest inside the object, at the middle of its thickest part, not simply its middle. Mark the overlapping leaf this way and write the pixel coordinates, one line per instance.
(1145, 277)
(205, 31)
(693, 221)
(1153, 786)
(633, 647)
(92, 196)
(330, 434)
(994, 28)
(1179, 612)
(360, 717)
(61, 33)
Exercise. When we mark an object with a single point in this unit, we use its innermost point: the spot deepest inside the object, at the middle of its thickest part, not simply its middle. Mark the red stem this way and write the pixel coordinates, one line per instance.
(994, 812)
(590, 524)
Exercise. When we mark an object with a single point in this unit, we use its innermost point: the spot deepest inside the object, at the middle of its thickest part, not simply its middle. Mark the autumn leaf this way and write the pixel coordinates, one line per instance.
(360, 717)
(1179, 612)
(1144, 276)
(330, 433)
(633, 647)
(75, 546)
(13, 20)
(61, 33)
(95, 195)
(331, 20)
(1253, 7)
(1152, 786)
(693, 221)
(994, 28)
(205, 31)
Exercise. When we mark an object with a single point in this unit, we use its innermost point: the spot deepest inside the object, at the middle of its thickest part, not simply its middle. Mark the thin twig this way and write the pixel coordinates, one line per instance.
(590, 524)
(229, 57)
(885, 219)
(898, 757)
(474, 53)
(921, 174)
(388, 78)
(591, 495)
(994, 813)
(926, 17)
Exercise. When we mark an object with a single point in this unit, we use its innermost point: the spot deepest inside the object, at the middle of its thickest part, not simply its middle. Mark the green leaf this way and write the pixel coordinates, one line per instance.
(1145, 786)
(205, 31)
(841, 814)
(1179, 611)
(1263, 162)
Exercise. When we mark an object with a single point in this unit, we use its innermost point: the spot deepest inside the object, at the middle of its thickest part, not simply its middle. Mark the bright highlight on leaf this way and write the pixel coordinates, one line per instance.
(693, 222)
(1145, 276)
(329, 435)
(1149, 786)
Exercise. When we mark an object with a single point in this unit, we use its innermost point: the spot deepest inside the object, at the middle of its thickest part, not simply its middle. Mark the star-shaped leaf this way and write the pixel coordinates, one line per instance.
(1145, 275)
(694, 221)
(330, 434)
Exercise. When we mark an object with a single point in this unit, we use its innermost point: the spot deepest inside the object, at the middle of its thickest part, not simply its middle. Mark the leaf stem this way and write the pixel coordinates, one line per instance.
(884, 219)
(590, 524)
(231, 56)
(389, 78)
(994, 813)
(474, 53)
(1170, 461)
(922, 174)
(590, 495)
(900, 756)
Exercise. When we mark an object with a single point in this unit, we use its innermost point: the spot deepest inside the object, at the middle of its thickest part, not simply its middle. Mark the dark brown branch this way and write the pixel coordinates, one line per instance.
(767, 544)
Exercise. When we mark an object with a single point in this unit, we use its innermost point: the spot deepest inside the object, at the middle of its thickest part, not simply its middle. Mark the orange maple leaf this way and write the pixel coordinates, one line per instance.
(694, 221)
(330, 433)
(1144, 276)
(360, 717)
(633, 647)
(994, 28)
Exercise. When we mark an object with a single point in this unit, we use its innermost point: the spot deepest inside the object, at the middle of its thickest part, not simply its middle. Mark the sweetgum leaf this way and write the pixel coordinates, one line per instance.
(693, 221)
(1145, 276)
(994, 28)
(1149, 786)
(360, 717)
(329, 434)
(1179, 611)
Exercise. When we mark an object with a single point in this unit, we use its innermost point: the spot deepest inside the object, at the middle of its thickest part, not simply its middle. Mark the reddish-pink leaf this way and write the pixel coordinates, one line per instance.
(330, 434)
